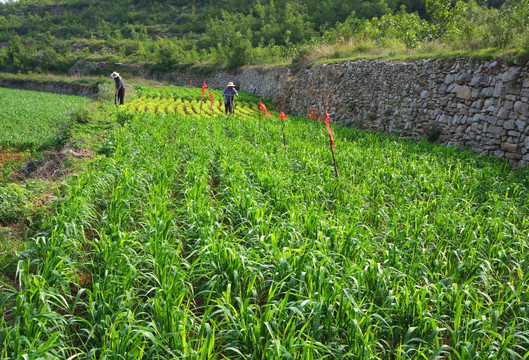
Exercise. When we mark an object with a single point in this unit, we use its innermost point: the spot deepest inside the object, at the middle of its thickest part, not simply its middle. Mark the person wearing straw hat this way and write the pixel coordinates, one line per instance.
(120, 87)
(229, 94)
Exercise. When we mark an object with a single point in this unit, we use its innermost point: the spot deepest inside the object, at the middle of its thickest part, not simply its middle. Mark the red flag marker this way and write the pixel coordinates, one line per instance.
(204, 86)
(211, 97)
(283, 117)
(262, 107)
(327, 118)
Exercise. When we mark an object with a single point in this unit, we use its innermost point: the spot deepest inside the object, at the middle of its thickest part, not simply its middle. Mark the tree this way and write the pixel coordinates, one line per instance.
(442, 16)
(237, 50)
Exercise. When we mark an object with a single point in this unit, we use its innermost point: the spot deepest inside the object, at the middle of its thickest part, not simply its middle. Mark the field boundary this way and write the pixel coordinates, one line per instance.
(55, 87)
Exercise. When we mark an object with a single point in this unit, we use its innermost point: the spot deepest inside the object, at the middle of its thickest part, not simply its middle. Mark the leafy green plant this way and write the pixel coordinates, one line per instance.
(13, 203)
(35, 120)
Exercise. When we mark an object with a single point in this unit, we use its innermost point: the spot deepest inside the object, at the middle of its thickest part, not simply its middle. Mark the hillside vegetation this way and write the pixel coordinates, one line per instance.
(50, 36)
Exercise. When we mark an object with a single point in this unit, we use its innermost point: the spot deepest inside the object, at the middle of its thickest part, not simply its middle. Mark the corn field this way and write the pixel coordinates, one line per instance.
(202, 237)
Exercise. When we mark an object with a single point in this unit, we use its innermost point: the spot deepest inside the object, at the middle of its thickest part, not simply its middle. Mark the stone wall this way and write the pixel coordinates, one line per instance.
(50, 86)
(477, 104)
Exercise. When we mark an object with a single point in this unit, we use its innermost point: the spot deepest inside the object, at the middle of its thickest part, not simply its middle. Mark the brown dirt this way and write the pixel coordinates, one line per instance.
(52, 167)
(10, 156)
(312, 114)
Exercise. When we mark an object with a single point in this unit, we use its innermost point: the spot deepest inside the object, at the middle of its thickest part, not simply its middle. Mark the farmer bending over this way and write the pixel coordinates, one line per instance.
(229, 97)
(120, 87)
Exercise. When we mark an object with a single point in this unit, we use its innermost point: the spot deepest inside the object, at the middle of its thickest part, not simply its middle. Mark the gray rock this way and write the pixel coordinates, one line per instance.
(495, 130)
(498, 154)
(508, 105)
(489, 102)
(512, 74)
(499, 90)
(526, 142)
(476, 118)
(504, 115)
(487, 92)
(508, 147)
(520, 125)
(524, 109)
(464, 92)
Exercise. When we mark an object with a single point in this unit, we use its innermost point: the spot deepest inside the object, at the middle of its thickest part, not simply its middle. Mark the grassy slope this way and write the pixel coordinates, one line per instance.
(204, 237)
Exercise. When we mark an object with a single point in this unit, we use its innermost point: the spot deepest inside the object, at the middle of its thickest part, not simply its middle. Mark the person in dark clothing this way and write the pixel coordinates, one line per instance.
(229, 97)
(120, 86)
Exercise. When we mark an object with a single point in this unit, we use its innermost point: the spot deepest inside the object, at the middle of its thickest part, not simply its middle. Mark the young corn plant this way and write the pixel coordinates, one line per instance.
(199, 237)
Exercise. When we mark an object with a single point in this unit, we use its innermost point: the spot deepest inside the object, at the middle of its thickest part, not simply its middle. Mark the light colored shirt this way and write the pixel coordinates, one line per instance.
(228, 93)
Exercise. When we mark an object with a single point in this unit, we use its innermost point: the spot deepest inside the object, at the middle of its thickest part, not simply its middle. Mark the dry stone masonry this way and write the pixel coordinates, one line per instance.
(477, 104)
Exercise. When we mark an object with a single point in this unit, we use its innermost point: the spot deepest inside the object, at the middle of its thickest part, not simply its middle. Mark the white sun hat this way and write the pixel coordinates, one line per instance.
(114, 75)
(231, 84)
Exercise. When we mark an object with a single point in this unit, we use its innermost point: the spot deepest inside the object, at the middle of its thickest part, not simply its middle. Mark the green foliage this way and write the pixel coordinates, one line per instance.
(511, 23)
(172, 35)
(443, 15)
(13, 203)
(237, 49)
(82, 115)
(202, 225)
(35, 120)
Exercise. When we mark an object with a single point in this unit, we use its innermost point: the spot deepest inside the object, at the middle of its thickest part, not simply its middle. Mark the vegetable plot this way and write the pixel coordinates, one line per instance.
(188, 102)
(195, 238)
(34, 120)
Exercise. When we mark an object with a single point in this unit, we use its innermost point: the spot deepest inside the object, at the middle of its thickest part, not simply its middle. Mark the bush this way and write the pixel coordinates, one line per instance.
(13, 203)
(82, 115)
(104, 91)
(433, 133)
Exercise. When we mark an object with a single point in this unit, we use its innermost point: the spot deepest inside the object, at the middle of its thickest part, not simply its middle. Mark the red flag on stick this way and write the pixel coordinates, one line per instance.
(327, 118)
(262, 107)
(283, 117)
(211, 97)
(204, 86)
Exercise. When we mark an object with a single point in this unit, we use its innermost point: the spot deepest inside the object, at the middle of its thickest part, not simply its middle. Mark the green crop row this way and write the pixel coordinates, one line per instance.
(213, 240)
(34, 120)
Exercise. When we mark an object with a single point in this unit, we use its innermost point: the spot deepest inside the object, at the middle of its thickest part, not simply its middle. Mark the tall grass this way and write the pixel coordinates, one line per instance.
(203, 238)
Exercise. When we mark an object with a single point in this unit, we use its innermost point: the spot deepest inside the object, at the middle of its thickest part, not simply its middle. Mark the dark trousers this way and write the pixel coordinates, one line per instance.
(228, 107)
(121, 95)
